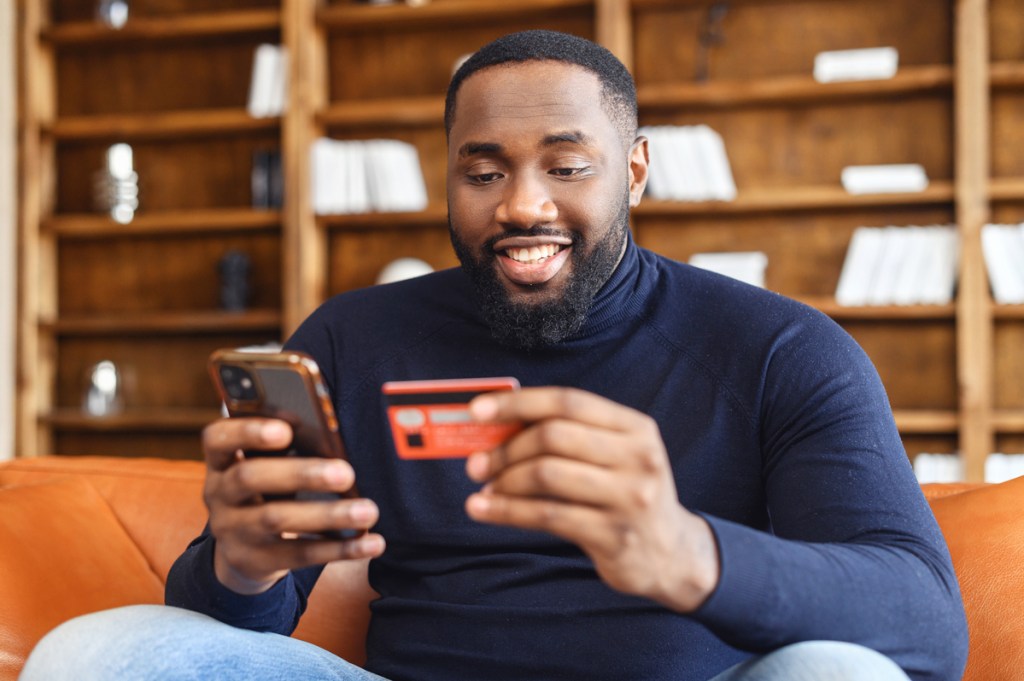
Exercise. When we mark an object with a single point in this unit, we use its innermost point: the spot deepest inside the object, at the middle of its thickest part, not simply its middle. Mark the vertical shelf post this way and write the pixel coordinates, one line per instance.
(974, 333)
(37, 290)
(614, 29)
(304, 247)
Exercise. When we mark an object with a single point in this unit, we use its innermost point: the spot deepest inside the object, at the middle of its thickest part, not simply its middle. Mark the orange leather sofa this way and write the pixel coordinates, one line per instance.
(79, 535)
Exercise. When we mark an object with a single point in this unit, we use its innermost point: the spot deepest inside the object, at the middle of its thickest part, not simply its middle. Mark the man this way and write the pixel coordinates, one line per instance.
(709, 482)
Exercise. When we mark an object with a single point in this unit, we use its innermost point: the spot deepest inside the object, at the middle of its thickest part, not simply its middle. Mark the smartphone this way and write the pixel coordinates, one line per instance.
(287, 386)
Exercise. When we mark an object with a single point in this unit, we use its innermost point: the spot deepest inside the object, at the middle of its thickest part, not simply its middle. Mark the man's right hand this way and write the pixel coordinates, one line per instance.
(255, 544)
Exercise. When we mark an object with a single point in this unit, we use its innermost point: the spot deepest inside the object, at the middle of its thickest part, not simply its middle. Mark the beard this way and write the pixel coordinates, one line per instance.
(532, 324)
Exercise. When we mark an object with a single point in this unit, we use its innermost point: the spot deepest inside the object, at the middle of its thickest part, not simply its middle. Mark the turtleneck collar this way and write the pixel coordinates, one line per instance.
(622, 295)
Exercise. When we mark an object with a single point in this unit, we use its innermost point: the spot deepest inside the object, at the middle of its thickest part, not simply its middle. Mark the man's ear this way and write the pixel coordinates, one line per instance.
(639, 161)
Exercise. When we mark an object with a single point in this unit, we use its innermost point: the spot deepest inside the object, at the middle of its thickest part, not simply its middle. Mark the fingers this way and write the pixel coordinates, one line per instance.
(538, 404)
(221, 439)
(268, 523)
(250, 478)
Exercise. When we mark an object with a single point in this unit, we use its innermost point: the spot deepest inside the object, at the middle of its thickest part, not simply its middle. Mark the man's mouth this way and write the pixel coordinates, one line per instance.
(533, 254)
(530, 261)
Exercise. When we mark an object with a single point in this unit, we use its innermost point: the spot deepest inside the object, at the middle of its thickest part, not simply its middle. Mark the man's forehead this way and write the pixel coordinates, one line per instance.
(563, 96)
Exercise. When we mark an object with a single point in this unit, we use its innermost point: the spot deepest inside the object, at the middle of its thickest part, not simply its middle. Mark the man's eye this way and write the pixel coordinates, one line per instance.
(566, 172)
(484, 178)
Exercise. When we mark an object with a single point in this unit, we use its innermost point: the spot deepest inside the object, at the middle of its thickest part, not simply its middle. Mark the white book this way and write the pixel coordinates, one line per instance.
(693, 185)
(996, 251)
(411, 194)
(862, 258)
(894, 178)
(321, 160)
(358, 194)
(716, 163)
(909, 287)
(1015, 248)
(747, 266)
(876, 63)
(677, 182)
(278, 96)
(261, 85)
(940, 277)
(658, 180)
(894, 253)
(378, 171)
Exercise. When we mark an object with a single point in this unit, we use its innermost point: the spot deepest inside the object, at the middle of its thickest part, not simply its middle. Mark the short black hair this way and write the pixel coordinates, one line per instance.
(618, 91)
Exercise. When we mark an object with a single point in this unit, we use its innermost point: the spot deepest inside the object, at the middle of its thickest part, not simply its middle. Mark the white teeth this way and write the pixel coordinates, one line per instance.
(532, 254)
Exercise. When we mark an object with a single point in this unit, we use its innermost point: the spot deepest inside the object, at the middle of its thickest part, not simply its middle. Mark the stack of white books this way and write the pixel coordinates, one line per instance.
(268, 85)
(362, 176)
(949, 467)
(688, 163)
(1003, 249)
(899, 266)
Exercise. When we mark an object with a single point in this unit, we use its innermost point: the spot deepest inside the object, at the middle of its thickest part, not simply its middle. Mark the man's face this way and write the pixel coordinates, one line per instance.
(539, 188)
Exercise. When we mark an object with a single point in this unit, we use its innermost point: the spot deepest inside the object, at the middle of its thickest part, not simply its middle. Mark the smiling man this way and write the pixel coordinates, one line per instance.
(708, 482)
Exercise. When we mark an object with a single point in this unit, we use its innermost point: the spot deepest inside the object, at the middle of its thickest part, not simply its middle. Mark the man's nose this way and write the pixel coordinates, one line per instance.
(526, 203)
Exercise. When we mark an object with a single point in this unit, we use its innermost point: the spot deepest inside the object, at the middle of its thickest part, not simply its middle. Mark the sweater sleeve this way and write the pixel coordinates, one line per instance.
(854, 552)
(192, 584)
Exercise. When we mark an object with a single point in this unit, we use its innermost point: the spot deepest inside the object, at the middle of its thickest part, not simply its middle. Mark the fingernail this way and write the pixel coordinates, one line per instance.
(484, 408)
(273, 431)
(334, 473)
(477, 466)
(478, 505)
(362, 511)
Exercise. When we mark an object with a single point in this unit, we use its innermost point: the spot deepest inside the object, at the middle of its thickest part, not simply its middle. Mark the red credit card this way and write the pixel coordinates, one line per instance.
(430, 419)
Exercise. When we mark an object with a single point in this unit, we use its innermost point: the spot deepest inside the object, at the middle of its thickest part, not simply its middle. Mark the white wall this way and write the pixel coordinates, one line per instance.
(8, 221)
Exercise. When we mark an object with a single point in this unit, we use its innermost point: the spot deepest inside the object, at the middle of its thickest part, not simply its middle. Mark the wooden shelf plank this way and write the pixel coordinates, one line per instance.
(917, 421)
(793, 89)
(797, 198)
(99, 226)
(385, 112)
(132, 420)
(434, 216)
(160, 125)
(1008, 312)
(829, 306)
(205, 25)
(1006, 188)
(1009, 421)
(1006, 74)
(351, 17)
(212, 321)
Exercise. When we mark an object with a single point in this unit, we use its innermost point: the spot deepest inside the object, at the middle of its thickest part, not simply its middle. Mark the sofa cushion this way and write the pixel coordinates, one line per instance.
(985, 533)
(72, 557)
(158, 502)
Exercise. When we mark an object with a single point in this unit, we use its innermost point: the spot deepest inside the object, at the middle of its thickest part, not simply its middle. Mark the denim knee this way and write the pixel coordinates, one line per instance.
(817, 661)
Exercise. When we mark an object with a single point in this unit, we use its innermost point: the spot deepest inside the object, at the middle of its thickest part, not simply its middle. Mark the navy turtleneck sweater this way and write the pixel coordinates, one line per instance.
(779, 433)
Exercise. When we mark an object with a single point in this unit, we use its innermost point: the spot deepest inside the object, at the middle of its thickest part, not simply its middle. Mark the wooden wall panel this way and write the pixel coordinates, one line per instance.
(409, 62)
(139, 77)
(1009, 364)
(169, 273)
(187, 173)
(787, 239)
(159, 444)
(765, 39)
(159, 371)
(786, 146)
(357, 257)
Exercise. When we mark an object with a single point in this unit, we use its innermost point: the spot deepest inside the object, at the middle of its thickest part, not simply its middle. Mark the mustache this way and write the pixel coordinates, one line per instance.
(533, 231)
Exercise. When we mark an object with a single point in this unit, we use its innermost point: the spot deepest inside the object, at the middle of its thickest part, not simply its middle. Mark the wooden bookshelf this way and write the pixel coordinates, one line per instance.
(360, 71)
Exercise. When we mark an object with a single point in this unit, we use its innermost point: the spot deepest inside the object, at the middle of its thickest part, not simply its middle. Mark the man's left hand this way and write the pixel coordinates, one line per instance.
(595, 473)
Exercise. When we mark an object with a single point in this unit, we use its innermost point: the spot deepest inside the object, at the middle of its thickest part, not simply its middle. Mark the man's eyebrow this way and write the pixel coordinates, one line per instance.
(573, 137)
(473, 148)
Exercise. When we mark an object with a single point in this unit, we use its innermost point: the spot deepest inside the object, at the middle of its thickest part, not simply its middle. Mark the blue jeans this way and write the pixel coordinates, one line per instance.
(156, 643)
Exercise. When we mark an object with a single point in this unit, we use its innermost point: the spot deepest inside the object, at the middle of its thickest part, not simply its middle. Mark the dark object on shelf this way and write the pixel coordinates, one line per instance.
(267, 180)
(711, 34)
(234, 280)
